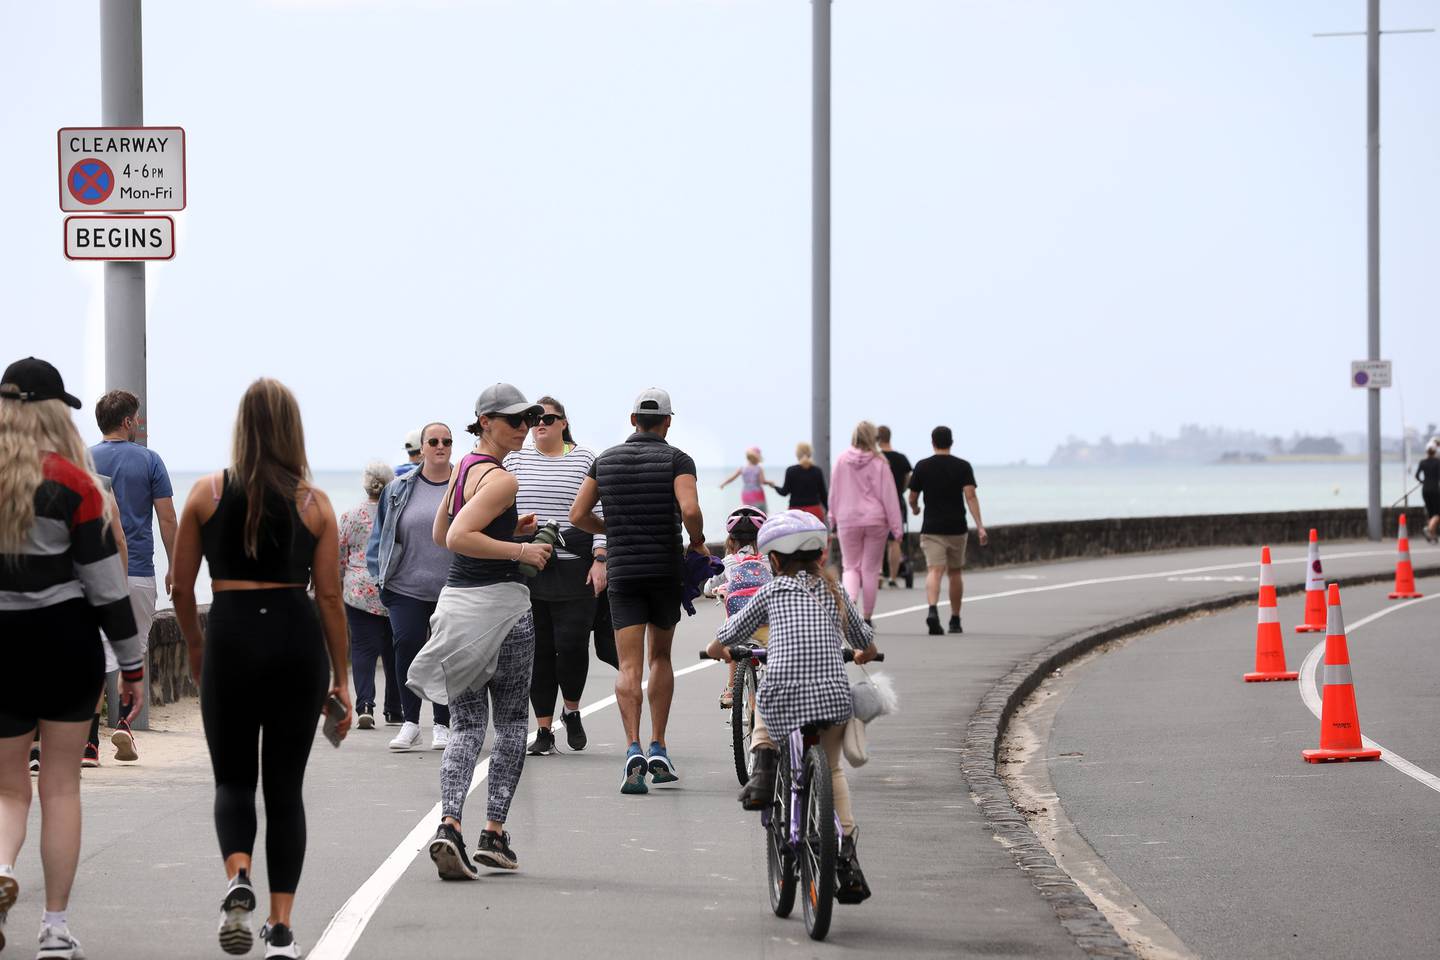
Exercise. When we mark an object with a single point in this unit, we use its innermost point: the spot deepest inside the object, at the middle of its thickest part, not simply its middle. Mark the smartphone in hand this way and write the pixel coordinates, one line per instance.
(334, 712)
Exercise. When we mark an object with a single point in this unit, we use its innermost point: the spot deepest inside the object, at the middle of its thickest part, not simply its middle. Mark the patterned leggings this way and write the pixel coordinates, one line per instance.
(507, 695)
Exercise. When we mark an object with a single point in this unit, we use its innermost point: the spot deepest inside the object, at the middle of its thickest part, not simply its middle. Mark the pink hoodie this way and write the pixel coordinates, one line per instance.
(862, 492)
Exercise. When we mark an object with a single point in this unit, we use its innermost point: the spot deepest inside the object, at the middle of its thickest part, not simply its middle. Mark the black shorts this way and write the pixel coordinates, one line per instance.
(54, 666)
(1432, 502)
(648, 600)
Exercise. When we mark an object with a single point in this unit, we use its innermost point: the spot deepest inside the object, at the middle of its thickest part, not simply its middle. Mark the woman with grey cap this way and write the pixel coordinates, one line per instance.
(482, 642)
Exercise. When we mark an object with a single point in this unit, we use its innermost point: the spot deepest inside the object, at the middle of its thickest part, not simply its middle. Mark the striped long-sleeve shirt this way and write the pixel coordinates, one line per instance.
(71, 554)
(548, 486)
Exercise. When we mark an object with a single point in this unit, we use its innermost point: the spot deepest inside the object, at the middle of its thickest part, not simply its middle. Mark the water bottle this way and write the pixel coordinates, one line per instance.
(547, 534)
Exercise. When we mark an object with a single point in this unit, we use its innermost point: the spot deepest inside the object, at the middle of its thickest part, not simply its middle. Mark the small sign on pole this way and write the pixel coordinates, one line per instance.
(121, 169)
(119, 238)
(1370, 374)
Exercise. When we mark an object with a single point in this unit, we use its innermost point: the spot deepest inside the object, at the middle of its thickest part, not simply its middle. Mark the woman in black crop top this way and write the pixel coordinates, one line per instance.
(266, 533)
(482, 637)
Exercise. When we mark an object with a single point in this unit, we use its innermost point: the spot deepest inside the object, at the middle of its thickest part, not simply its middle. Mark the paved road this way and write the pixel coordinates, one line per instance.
(679, 869)
(1190, 786)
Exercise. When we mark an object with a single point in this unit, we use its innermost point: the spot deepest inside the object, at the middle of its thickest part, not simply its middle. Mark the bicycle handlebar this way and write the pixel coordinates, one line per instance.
(759, 653)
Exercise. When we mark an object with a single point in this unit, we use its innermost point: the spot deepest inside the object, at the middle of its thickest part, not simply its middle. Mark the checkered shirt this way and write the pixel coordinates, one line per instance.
(804, 674)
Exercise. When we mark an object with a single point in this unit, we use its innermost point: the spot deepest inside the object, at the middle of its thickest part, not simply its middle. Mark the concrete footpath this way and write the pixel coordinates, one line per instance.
(679, 870)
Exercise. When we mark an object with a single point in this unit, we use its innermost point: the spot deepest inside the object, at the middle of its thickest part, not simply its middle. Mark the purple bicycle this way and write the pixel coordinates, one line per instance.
(802, 830)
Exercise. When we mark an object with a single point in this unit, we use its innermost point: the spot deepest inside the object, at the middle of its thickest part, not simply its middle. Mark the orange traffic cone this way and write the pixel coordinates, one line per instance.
(1404, 572)
(1269, 639)
(1314, 589)
(1339, 721)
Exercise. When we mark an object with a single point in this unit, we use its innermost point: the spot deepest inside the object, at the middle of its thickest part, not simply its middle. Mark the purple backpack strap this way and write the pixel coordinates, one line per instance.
(466, 462)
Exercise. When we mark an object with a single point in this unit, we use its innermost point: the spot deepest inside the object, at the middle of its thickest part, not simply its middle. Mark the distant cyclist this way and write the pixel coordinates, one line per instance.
(811, 619)
(746, 571)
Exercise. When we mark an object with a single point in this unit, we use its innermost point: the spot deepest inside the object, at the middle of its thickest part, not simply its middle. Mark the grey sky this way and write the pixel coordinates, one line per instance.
(1050, 217)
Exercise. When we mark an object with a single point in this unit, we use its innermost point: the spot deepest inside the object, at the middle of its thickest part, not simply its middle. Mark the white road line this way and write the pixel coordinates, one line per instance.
(1311, 696)
(1097, 581)
(349, 922)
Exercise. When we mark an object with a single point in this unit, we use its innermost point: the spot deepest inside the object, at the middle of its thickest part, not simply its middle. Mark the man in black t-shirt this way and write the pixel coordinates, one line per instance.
(948, 484)
(900, 469)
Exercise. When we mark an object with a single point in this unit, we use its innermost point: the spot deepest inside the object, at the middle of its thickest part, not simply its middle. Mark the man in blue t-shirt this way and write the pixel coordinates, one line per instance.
(142, 489)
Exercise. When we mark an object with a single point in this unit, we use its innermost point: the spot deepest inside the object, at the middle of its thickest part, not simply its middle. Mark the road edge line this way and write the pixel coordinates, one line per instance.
(1082, 919)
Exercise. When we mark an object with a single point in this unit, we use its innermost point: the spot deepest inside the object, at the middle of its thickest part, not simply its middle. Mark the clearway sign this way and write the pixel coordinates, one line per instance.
(121, 169)
(1370, 374)
(119, 238)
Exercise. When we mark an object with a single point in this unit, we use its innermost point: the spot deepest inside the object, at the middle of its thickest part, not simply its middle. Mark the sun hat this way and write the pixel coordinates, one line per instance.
(31, 380)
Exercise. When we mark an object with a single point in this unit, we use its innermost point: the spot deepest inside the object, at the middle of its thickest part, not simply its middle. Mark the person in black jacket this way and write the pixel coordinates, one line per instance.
(805, 484)
(647, 490)
(1428, 473)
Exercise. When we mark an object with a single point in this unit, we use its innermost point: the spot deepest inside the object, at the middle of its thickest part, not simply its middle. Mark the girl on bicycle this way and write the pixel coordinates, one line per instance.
(811, 620)
(745, 573)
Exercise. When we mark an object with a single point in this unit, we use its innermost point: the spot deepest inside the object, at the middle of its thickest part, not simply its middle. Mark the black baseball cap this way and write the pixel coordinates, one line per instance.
(30, 380)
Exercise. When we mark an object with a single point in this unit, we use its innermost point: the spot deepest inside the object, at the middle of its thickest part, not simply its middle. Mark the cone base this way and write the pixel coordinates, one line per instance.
(1264, 677)
(1334, 756)
(1406, 596)
(1310, 628)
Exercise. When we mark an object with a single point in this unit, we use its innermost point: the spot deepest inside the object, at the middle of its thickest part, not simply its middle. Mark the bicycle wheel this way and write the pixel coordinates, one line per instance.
(779, 860)
(818, 842)
(742, 718)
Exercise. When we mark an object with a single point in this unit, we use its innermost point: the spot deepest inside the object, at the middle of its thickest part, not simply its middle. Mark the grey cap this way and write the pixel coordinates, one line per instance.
(503, 398)
(412, 441)
(655, 402)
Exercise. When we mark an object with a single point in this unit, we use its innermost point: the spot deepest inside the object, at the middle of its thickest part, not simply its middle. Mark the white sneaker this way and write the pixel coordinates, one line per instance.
(9, 892)
(408, 738)
(58, 943)
(439, 736)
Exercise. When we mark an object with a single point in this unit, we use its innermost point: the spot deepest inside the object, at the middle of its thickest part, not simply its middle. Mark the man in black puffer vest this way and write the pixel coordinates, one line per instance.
(647, 488)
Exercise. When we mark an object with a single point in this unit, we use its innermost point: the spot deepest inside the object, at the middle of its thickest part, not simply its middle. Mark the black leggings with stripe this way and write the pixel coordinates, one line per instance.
(265, 671)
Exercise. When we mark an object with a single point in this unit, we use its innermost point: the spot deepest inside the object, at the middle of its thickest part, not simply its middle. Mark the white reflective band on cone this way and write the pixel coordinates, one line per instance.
(1314, 578)
(1337, 674)
(1334, 622)
(1269, 614)
(1267, 575)
(1404, 556)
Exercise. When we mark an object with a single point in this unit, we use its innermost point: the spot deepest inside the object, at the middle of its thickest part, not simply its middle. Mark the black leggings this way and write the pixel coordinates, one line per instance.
(562, 638)
(265, 668)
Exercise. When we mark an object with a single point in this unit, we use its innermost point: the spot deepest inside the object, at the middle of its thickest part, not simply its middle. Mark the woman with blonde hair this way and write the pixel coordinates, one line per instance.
(265, 661)
(61, 573)
(369, 622)
(805, 483)
(864, 512)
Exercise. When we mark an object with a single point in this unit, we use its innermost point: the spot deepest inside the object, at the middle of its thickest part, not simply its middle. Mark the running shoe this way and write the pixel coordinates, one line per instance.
(662, 769)
(91, 757)
(933, 623)
(281, 942)
(727, 699)
(635, 766)
(955, 625)
(124, 742)
(448, 852)
(574, 730)
(393, 719)
(58, 943)
(408, 738)
(35, 760)
(9, 893)
(235, 910)
(365, 720)
(439, 736)
(494, 851)
(544, 744)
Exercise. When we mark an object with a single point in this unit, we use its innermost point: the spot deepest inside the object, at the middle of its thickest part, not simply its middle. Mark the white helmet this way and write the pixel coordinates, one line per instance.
(792, 532)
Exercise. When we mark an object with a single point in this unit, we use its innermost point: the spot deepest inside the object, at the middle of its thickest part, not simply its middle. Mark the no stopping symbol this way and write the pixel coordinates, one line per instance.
(91, 181)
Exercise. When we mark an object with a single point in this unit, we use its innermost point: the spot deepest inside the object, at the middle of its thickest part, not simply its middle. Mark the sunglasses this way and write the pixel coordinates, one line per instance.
(549, 419)
(517, 420)
(436, 441)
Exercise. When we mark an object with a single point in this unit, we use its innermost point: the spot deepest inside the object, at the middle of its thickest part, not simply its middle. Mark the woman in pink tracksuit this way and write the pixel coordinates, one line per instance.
(863, 512)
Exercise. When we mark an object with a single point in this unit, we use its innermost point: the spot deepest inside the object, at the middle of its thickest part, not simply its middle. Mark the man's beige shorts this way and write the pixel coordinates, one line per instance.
(944, 549)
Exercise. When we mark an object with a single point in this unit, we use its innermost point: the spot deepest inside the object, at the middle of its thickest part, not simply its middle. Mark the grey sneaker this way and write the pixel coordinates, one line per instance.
(544, 744)
(235, 910)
